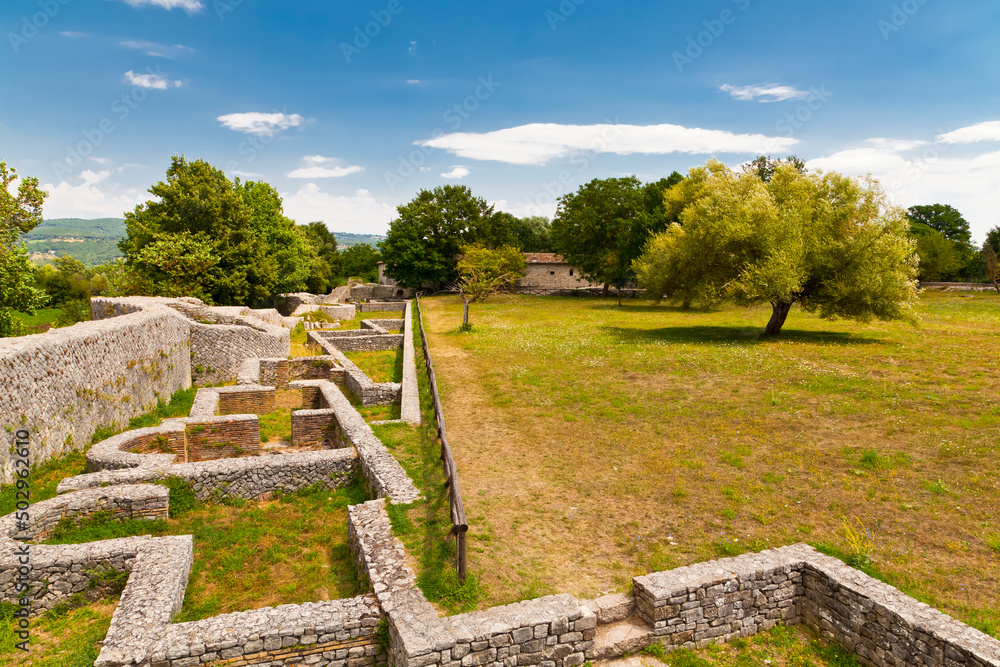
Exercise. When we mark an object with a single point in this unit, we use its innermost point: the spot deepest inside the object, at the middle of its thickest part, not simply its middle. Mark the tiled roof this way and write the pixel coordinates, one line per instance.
(544, 258)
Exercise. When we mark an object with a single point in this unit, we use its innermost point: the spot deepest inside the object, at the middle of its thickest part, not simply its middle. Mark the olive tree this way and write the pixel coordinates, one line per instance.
(484, 272)
(830, 243)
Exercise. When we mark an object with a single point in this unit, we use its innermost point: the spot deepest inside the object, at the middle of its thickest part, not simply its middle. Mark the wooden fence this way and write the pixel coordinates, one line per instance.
(459, 524)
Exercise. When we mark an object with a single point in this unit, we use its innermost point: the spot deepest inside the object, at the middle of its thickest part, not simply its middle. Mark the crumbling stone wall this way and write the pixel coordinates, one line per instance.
(63, 385)
(56, 572)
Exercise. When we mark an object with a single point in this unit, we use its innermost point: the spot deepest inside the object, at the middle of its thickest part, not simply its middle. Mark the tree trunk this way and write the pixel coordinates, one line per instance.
(619, 297)
(604, 292)
(779, 312)
(465, 313)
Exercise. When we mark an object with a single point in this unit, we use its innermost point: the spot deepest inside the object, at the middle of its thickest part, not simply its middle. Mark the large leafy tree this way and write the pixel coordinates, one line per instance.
(423, 242)
(19, 214)
(324, 259)
(937, 226)
(228, 243)
(360, 261)
(825, 241)
(601, 228)
(943, 218)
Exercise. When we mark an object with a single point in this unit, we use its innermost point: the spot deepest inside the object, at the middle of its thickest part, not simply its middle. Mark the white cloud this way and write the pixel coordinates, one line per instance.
(537, 143)
(190, 6)
(413, 82)
(261, 124)
(324, 167)
(93, 198)
(765, 92)
(988, 131)
(359, 213)
(154, 81)
(100, 160)
(919, 172)
(155, 48)
(456, 172)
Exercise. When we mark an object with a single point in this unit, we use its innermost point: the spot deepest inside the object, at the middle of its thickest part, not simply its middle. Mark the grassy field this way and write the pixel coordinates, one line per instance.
(41, 316)
(381, 365)
(595, 443)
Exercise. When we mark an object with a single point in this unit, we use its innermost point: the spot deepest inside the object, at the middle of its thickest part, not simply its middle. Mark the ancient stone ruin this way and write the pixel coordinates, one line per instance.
(139, 349)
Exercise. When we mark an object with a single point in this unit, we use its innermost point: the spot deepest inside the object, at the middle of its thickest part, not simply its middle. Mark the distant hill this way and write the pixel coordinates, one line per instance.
(345, 239)
(95, 242)
(92, 242)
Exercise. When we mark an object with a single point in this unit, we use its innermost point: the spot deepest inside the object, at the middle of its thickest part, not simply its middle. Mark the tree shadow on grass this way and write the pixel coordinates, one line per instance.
(720, 335)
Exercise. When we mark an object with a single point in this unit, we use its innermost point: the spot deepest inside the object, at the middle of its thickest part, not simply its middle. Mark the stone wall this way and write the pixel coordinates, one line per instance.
(246, 400)
(112, 463)
(359, 384)
(360, 340)
(381, 306)
(56, 572)
(383, 474)
(64, 384)
(687, 607)
(383, 325)
(218, 350)
(278, 372)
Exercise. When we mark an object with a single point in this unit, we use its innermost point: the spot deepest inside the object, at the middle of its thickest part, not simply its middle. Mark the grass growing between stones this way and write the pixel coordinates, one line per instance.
(782, 646)
(425, 526)
(596, 443)
(248, 555)
(381, 365)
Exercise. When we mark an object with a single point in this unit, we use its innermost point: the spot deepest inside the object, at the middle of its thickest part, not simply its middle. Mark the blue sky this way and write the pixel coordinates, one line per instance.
(350, 108)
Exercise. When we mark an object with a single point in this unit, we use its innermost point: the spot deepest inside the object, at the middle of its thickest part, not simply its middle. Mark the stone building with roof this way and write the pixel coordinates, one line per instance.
(547, 270)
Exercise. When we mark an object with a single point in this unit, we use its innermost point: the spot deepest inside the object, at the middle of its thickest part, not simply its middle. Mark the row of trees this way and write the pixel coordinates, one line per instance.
(227, 242)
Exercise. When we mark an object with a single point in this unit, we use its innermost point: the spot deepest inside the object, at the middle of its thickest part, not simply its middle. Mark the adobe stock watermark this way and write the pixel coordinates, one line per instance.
(32, 24)
(454, 116)
(794, 121)
(120, 109)
(22, 497)
(702, 41)
(551, 190)
(915, 169)
(562, 12)
(365, 33)
(899, 16)
(223, 7)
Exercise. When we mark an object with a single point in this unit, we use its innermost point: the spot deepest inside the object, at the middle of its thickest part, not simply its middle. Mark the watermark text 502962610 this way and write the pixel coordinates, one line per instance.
(22, 491)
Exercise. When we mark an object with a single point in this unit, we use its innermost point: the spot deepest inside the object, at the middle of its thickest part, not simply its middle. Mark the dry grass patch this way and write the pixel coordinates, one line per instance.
(595, 443)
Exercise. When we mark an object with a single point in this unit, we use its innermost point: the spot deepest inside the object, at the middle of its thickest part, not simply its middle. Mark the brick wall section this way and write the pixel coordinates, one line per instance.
(223, 437)
(246, 400)
(312, 427)
(171, 442)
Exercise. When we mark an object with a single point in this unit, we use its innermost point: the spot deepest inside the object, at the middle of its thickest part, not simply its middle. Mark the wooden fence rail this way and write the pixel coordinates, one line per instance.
(459, 524)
